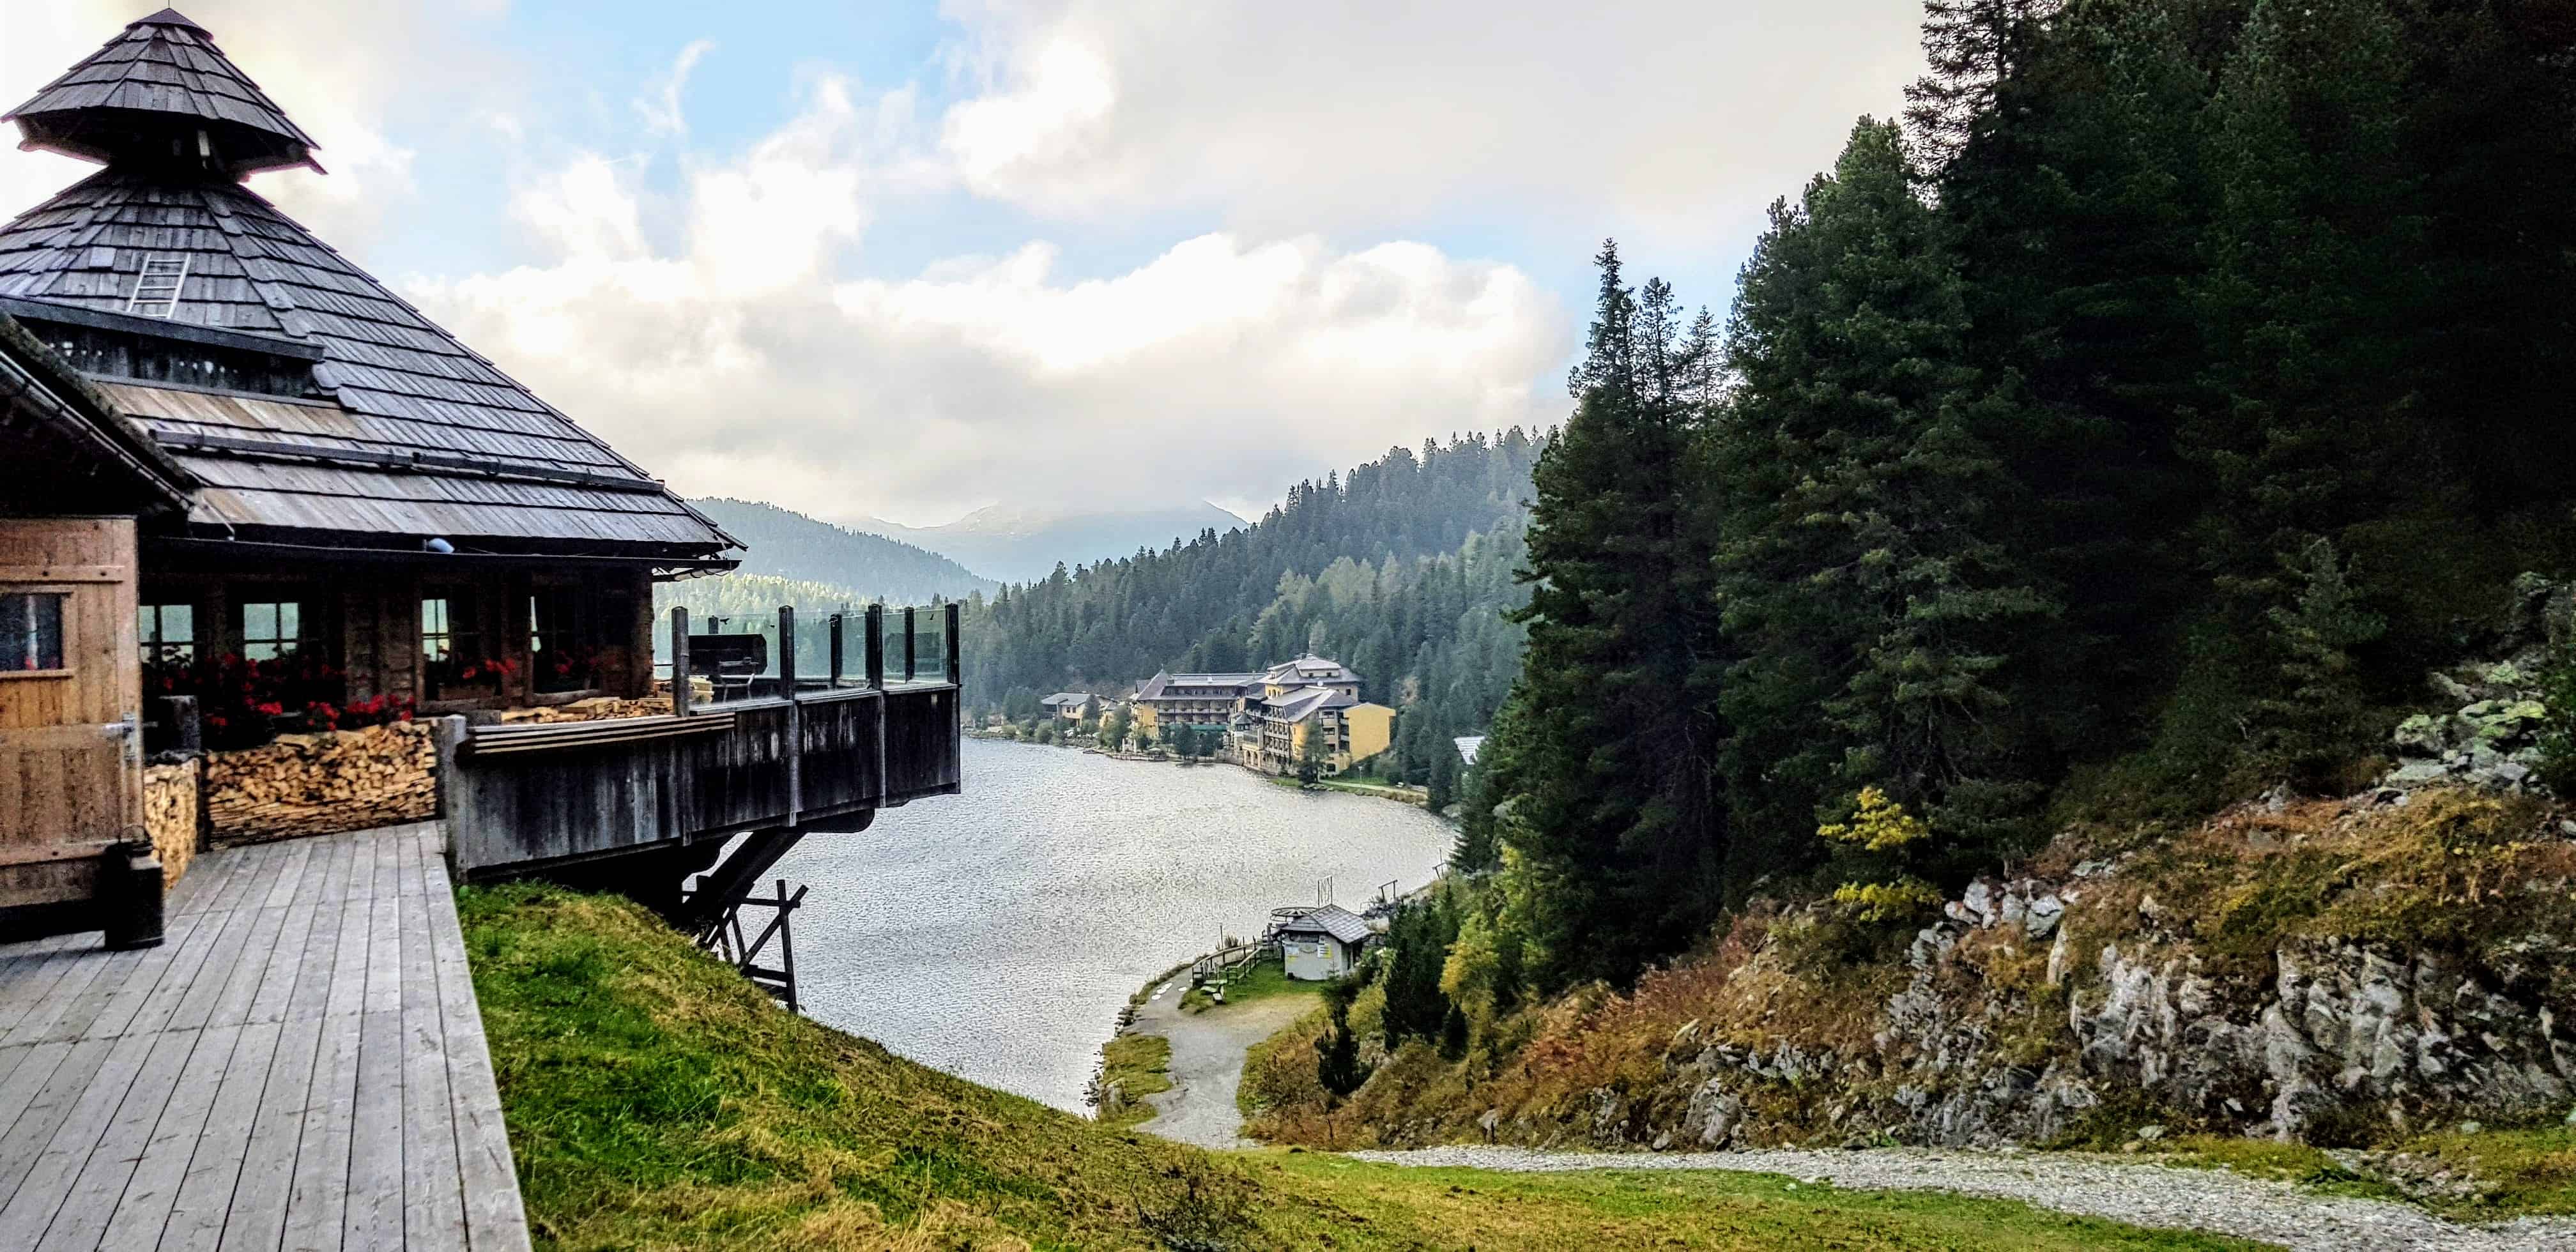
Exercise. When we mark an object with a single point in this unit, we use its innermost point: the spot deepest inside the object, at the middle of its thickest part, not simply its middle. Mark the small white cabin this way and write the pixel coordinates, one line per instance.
(1324, 943)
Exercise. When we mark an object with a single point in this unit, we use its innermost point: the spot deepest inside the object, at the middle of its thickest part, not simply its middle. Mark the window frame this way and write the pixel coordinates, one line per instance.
(464, 633)
(155, 646)
(563, 618)
(309, 629)
(62, 597)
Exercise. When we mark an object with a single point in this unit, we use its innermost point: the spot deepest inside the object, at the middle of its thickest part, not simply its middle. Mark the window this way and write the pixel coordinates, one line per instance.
(447, 628)
(31, 631)
(559, 650)
(168, 632)
(274, 629)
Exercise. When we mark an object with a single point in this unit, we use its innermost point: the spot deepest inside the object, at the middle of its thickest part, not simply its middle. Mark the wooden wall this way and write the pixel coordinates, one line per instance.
(374, 624)
(68, 786)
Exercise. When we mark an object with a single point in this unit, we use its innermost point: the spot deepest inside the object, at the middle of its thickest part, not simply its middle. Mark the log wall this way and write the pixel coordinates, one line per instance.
(323, 784)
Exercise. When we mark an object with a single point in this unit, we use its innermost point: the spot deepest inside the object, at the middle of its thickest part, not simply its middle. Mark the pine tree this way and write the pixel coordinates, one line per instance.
(2077, 211)
(1615, 837)
(2310, 289)
(1972, 47)
(1863, 573)
(2316, 721)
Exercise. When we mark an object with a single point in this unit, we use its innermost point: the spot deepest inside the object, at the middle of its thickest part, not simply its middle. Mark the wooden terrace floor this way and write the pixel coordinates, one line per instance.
(299, 1066)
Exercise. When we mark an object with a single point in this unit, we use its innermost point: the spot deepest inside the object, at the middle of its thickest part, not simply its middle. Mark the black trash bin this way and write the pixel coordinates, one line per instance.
(129, 896)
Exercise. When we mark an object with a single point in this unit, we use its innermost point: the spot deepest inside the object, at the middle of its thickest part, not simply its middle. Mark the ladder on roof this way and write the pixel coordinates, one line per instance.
(156, 290)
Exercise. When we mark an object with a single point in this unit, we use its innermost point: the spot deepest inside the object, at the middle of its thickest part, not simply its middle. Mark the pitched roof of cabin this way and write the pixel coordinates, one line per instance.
(92, 454)
(162, 78)
(404, 432)
(1331, 919)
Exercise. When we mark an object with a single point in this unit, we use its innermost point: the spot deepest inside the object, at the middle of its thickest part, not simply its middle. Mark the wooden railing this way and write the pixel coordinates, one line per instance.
(807, 757)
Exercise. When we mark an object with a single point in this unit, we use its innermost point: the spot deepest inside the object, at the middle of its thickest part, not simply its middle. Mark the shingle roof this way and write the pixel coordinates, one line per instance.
(1297, 706)
(1163, 686)
(415, 434)
(162, 78)
(1331, 919)
(1310, 668)
(85, 429)
(405, 431)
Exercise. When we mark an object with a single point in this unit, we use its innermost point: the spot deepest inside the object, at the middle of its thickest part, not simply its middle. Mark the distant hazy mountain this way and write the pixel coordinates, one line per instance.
(790, 545)
(1019, 543)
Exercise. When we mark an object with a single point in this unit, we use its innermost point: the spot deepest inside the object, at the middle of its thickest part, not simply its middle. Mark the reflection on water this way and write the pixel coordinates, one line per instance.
(996, 934)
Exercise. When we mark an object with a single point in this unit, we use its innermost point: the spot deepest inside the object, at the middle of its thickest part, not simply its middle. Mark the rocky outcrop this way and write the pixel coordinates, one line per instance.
(2340, 1038)
(2489, 736)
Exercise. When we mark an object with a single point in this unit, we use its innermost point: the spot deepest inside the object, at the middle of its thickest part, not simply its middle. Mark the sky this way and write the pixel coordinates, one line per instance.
(905, 260)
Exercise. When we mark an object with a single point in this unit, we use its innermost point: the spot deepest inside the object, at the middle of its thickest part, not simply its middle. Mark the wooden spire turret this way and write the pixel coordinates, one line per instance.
(161, 94)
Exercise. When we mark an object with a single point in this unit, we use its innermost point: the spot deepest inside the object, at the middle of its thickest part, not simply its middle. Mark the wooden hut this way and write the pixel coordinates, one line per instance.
(374, 514)
(80, 478)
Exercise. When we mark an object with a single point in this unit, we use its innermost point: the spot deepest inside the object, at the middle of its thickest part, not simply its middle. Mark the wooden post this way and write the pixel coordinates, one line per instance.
(787, 942)
(186, 735)
(795, 745)
(455, 799)
(910, 644)
(876, 646)
(680, 685)
(835, 665)
(952, 646)
(786, 650)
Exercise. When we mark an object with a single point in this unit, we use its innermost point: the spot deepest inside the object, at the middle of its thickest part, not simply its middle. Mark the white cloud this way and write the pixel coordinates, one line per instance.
(736, 361)
(337, 69)
(711, 326)
(1349, 113)
(660, 110)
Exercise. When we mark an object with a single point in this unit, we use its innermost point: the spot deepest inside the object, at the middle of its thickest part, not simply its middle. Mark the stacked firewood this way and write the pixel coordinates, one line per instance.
(600, 708)
(323, 783)
(170, 815)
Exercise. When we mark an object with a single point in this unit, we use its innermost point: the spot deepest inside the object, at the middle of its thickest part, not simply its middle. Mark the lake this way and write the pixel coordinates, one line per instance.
(996, 934)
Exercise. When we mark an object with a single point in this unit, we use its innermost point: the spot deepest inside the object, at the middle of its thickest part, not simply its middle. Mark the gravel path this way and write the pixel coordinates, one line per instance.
(1207, 1061)
(2128, 1191)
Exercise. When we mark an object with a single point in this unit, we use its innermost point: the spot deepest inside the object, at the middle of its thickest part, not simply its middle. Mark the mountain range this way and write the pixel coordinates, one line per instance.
(1023, 543)
(784, 544)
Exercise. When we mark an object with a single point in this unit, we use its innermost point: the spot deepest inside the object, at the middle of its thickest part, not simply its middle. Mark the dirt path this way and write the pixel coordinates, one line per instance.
(2128, 1191)
(1207, 1061)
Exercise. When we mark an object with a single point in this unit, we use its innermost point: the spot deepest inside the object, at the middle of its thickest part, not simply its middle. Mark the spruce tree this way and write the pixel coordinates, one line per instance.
(1614, 835)
(1879, 610)
(2310, 290)
(1971, 47)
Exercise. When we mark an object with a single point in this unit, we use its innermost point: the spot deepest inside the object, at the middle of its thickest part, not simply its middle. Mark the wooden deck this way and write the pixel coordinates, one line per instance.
(300, 1066)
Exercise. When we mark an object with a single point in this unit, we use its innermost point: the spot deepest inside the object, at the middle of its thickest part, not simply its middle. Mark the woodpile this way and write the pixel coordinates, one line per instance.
(170, 815)
(323, 784)
(601, 708)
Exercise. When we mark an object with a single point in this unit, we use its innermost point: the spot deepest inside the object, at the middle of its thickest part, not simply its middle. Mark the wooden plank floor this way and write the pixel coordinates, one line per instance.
(300, 1066)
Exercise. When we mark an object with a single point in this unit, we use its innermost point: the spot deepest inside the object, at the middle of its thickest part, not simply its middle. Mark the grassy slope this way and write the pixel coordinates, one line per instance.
(1141, 1065)
(1266, 978)
(655, 1100)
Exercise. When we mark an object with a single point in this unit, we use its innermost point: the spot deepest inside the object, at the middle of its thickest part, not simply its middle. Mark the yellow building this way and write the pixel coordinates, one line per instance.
(1304, 698)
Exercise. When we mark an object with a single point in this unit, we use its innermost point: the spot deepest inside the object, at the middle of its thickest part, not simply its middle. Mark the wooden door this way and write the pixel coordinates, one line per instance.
(71, 765)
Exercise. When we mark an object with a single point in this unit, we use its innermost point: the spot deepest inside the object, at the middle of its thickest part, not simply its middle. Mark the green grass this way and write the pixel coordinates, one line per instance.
(1265, 980)
(655, 1100)
(1141, 1065)
(1358, 785)
(2297, 1163)
(2531, 1172)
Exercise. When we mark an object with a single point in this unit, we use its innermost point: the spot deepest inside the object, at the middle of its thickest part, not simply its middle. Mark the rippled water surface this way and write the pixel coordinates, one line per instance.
(996, 934)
